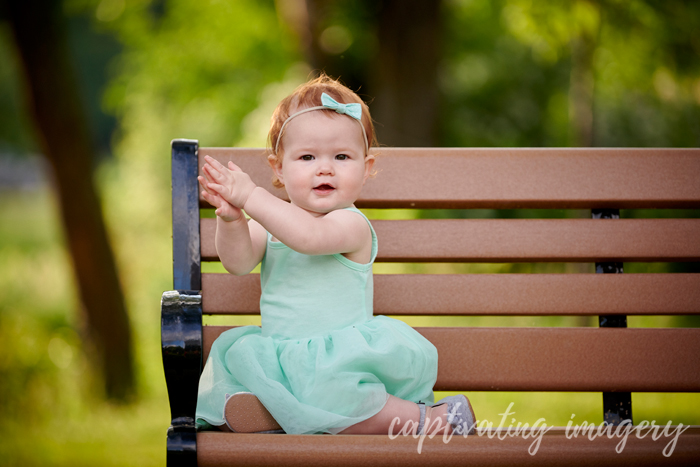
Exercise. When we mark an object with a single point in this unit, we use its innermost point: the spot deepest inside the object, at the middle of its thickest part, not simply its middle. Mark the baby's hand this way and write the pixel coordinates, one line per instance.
(224, 209)
(231, 184)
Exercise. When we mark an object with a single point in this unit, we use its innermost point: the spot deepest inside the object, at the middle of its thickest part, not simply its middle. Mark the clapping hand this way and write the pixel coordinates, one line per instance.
(227, 189)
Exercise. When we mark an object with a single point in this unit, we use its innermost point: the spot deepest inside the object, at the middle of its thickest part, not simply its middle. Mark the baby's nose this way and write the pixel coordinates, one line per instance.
(325, 167)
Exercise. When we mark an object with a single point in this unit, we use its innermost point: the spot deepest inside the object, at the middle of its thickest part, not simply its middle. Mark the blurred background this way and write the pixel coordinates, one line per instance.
(93, 91)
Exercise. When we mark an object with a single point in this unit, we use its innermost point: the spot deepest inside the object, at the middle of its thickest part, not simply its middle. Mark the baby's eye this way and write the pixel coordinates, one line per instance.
(342, 157)
(307, 157)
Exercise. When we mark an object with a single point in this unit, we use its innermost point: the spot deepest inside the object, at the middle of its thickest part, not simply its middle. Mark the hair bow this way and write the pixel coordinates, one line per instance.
(352, 110)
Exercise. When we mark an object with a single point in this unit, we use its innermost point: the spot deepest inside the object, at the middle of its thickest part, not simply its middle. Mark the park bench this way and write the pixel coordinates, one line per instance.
(610, 358)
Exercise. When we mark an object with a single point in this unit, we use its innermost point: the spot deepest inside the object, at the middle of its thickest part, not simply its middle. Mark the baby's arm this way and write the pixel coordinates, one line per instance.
(339, 231)
(239, 243)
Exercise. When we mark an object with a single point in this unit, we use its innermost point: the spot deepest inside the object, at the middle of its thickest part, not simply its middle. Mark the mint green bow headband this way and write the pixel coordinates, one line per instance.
(351, 110)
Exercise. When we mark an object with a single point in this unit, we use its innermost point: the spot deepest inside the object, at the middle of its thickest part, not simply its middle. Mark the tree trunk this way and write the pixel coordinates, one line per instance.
(307, 19)
(581, 100)
(582, 85)
(54, 101)
(401, 77)
(404, 79)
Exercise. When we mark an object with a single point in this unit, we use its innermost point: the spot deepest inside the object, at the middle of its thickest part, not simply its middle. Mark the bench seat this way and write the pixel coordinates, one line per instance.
(224, 449)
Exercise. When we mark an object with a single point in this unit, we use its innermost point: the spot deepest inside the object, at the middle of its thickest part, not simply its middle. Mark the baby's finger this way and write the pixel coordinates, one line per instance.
(207, 175)
(214, 200)
(212, 173)
(203, 183)
(234, 167)
(214, 163)
(206, 168)
(217, 189)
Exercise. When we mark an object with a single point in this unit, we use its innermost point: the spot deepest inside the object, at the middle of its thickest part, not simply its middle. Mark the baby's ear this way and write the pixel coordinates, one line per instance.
(276, 165)
(369, 163)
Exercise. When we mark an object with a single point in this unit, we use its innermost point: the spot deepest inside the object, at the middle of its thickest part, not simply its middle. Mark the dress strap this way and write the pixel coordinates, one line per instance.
(375, 243)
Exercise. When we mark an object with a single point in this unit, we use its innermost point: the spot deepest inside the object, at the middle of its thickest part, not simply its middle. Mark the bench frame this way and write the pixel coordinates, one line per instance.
(182, 342)
(181, 311)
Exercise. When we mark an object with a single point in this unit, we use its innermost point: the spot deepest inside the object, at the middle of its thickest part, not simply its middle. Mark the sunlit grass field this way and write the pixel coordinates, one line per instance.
(51, 408)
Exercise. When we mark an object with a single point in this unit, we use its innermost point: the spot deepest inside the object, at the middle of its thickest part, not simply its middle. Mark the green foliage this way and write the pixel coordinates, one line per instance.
(495, 92)
(505, 78)
(200, 66)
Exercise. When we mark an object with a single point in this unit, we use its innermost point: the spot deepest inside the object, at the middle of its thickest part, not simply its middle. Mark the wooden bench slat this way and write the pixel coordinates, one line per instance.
(231, 295)
(524, 240)
(217, 449)
(567, 359)
(559, 359)
(501, 178)
(492, 294)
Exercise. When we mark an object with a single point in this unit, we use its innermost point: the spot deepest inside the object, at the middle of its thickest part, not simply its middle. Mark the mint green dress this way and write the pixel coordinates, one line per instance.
(321, 361)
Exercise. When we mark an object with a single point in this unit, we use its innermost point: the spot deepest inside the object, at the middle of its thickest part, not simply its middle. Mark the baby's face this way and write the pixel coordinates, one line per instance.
(324, 165)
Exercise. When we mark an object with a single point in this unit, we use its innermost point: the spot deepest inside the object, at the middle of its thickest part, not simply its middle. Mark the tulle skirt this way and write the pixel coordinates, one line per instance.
(320, 384)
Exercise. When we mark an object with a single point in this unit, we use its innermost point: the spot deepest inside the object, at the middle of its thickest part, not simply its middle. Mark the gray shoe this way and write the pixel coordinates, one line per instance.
(459, 414)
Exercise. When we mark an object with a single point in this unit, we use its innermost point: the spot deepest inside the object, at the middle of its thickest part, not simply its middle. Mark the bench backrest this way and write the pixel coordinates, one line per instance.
(611, 358)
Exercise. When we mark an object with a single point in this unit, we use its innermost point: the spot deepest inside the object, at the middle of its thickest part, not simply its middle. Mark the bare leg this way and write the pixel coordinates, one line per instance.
(405, 411)
(380, 423)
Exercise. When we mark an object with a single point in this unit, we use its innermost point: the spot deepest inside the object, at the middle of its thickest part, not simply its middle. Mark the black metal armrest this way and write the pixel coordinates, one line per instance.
(181, 339)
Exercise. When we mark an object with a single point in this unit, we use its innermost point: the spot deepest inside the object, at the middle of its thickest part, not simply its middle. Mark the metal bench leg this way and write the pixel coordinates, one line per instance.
(182, 448)
(617, 406)
(181, 336)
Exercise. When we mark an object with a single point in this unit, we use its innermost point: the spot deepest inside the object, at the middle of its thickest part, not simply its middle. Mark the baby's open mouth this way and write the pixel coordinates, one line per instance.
(324, 188)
